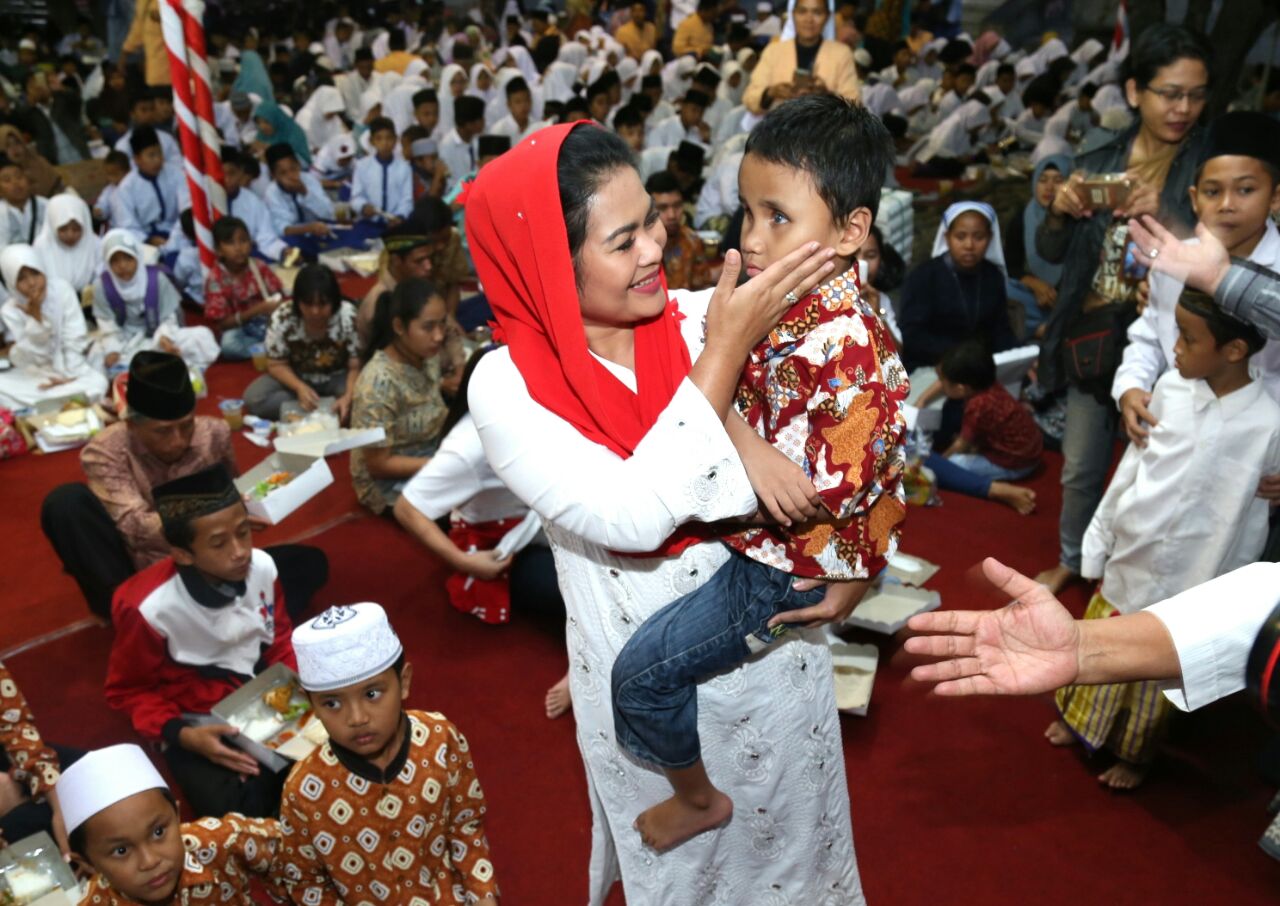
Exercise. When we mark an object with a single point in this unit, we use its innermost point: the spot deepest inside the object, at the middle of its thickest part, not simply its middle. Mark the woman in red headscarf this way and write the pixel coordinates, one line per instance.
(606, 413)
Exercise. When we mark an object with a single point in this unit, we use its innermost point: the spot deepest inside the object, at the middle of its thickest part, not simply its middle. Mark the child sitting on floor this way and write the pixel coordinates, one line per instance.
(383, 183)
(999, 440)
(115, 167)
(21, 213)
(825, 388)
(193, 628)
(1179, 511)
(241, 292)
(390, 807)
(122, 822)
(148, 200)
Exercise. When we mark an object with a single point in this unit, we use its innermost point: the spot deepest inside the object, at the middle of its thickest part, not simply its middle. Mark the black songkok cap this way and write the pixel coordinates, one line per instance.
(160, 387)
(701, 98)
(493, 145)
(1245, 133)
(192, 496)
(690, 157)
(956, 52)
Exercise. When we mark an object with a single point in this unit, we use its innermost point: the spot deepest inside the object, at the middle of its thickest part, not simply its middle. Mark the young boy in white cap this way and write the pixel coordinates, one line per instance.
(389, 809)
(122, 820)
(192, 629)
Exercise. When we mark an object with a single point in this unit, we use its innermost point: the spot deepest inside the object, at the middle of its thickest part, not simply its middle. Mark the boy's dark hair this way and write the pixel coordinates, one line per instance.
(188, 221)
(596, 89)
(139, 97)
(553, 110)
(364, 55)
(1222, 326)
(900, 45)
(517, 85)
(381, 124)
(966, 69)
(315, 281)
(1088, 90)
(425, 96)
(642, 103)
(650, 81)
(1006, 69)
(116, 158)
(231, 156)
(892, 268)
(662, 182)
(431, 214)
(6, 161)
(76, 838)
(143, 137)
(413, 133)
(395, 39)
(575, 105)
(278, 152)
(1162, 45)
(226, 228)
(1043, 89)
(969, 363)
(896, 125)
(627, 116)
(845, 149)
(468, 109)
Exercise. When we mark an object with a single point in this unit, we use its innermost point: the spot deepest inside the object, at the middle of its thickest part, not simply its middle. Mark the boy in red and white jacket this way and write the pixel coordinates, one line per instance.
(193, 628)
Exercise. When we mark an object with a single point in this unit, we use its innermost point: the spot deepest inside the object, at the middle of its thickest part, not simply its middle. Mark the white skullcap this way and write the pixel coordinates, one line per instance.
(102, 778)
(862, 57)
(763, 7)
(345, 645)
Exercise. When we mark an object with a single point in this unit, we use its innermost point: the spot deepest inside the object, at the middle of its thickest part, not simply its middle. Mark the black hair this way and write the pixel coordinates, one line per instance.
(1222, 326)
(662, 182)
(629, 115)
(230, 156)
(251, 166)
(315, 281)
(140, 97)
(381, 124)
(404, 303)
(180, 531)
(553, 110)
(708, 5)
(425, 96)
(1061, 69)
(587, 156)
(892, 268)
(364, 54)
(458, 406)
(900, 45)
(463, 53)
(467, 109)
(596, 89)
(142, 138)
(576, 104)
(76, 838)
(966, 69)
(845, 149)
(969, 363)
(226, 228)
(6, 162)
(278, 152)
(1043, 89)
(188, 221)
(517, 85)
(413, 133)
(395, 39)
(116, 158)
(650, 81)
(1088, 90)
(897, 125)
(1006, 69)
(1163, 45)
(431, 214)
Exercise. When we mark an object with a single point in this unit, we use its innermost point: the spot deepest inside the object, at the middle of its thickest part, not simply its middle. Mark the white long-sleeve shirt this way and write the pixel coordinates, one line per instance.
(388, 186)
(1214, 626)
(1184, 508)
(458, 479)
(1153, 335)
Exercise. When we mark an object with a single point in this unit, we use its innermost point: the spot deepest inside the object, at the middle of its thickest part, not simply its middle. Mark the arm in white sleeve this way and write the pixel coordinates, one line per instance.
(1099, 538)
(73, 339)
(1144, 359)
(1214, 626)
(685, 469)
(449, 479)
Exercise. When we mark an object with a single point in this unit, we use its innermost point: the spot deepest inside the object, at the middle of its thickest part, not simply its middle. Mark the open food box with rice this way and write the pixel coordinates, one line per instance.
(319, 433)
(276, 723)
(33, 873)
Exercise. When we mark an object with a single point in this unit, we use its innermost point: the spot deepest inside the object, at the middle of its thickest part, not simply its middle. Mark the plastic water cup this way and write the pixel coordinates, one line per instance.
(259, 353)
(233, 412)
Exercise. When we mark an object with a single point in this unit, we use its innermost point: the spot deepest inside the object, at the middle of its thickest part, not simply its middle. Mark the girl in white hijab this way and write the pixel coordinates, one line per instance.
(137, 307)
(481, 83)
(946, 152)
(651, 63)
(321, 116)
(733, 82)
(676, 76)
(453, 82)
(67, 242)
(523, 61)
(558, 81)
(43, 319)
(333, 164)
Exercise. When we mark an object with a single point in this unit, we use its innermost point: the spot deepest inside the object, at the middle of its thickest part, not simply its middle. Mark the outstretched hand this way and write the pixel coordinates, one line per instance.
(1024, 648)
(1200, 265)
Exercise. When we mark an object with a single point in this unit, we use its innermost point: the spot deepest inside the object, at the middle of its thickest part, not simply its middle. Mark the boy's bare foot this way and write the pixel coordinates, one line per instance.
(1123, 776)
(670, 823)
(1055, 579)
(558, 698)
(1022, 500)
(1059, 734)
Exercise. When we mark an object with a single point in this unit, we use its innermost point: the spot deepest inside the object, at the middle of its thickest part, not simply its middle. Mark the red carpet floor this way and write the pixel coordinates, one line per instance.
(960, 802)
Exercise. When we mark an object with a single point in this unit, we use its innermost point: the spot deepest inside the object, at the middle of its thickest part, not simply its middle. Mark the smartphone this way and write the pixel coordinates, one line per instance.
(1106, 191)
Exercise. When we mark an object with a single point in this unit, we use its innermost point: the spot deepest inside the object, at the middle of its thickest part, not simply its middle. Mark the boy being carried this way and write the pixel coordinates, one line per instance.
(192, 629)
(390, 807)
(825, 388)
(1179, 511)
(122, 822)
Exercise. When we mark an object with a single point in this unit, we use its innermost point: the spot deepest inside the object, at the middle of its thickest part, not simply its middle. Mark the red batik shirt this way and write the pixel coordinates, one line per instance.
(32, 763)
(826, 388)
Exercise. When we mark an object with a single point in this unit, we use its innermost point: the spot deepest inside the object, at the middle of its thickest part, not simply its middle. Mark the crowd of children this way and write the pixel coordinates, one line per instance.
(353, 128)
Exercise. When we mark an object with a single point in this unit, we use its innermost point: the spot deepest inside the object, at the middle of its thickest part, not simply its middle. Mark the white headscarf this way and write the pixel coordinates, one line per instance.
(573, 53)
(77, 264)
(1054, 141)
(369, 99)
(125, 243)
(676, 77)
(986, 74)
(445, 95)
(524, 62)
(953, 136)
(314, 116)
(628, 71)
(995, 248)
(1051, 50)
(328, 160)
(916, 96)
(13, 259)
(724, 89)
(647, 59)
(1088, 49)
(789, 30)
(558, 80)
(398, 104)
(473, 86)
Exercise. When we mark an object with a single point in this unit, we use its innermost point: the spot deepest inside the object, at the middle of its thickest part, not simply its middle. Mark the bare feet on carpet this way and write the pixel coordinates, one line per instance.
(558, 698)
(1056, 579)
(1020, 499)
(1059, 734)
(670, 823)
(1123, 775)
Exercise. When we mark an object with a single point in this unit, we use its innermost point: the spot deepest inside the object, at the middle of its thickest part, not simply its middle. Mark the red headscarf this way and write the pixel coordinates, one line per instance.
(518, 239)
(520, 244)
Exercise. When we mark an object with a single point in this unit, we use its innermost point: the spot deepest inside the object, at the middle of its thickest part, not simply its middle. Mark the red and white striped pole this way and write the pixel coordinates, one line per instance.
(210, 138)
(171, 25)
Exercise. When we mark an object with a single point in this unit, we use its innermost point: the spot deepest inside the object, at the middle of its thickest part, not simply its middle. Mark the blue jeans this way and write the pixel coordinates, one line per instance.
(1087, 445)
(237, 344)
(713, 628)
(971, 473)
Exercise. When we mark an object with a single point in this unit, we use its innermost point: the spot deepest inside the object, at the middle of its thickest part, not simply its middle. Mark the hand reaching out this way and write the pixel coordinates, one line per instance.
(1201, 266)
(1027, 647)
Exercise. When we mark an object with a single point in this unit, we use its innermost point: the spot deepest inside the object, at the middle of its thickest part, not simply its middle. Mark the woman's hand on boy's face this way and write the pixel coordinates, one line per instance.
(740, 316)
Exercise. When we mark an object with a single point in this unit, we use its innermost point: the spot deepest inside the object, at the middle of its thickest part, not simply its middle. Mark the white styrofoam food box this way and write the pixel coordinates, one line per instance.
(311, 475)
